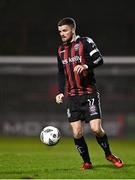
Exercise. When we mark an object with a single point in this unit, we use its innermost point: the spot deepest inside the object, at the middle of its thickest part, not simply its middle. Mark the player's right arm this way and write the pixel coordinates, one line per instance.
(61, 81)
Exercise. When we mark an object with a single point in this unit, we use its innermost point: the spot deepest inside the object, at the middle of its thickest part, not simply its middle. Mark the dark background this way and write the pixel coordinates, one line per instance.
(29, 27)
(28, 69)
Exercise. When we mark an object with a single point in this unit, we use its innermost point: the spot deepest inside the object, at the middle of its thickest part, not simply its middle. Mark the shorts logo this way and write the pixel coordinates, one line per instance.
(68, 113)
(92, 107)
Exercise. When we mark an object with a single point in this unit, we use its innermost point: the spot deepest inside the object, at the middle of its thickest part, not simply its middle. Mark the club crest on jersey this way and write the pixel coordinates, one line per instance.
(76, 47)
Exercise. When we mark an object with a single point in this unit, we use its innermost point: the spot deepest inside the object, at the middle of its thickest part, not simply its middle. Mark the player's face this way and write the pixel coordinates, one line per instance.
(66, 32)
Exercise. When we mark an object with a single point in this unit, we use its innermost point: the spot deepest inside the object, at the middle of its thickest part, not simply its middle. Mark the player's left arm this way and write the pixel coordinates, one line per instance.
(92, 54)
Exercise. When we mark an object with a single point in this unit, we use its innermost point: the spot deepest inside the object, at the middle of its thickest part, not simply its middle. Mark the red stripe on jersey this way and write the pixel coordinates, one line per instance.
(89, 89)
(71, 83)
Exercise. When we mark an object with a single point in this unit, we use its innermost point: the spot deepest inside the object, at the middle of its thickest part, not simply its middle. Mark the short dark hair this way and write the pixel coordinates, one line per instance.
(67, 21)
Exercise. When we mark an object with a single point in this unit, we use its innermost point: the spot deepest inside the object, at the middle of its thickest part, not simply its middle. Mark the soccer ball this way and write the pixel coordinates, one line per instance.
(50, 135)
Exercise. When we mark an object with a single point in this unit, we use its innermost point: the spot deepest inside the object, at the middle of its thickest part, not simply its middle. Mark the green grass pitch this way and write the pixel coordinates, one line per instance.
(28, 158)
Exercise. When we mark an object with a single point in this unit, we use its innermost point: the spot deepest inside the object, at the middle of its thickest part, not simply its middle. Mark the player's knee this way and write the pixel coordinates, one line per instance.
(96, 131)
(77, 134)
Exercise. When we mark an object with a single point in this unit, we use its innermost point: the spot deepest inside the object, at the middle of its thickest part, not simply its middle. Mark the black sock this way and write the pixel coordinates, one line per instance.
(103, 142)
(82, 149)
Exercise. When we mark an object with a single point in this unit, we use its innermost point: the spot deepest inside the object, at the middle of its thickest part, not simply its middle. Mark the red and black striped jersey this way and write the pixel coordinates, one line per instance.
(81, 51)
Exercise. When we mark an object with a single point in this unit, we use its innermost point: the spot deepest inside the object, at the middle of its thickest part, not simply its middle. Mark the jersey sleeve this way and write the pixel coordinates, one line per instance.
(93, 55)
(61, 75)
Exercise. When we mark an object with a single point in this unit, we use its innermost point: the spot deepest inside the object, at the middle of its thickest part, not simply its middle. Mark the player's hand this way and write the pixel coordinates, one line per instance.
(59, 98)
(80, 68)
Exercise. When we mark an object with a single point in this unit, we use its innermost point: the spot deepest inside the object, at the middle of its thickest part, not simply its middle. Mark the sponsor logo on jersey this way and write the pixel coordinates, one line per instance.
(72, 60)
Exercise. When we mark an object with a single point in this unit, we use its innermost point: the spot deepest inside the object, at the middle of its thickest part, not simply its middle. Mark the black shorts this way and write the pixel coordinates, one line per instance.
(85, 108)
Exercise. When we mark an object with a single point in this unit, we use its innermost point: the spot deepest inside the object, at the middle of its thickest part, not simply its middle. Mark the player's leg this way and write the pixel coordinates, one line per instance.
(94, 115)
(100, 134)
(74, 116)
(102, 140)
(80, 143)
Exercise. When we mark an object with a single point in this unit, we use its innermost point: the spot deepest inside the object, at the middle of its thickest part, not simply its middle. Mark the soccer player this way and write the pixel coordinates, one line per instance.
(77, 58)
